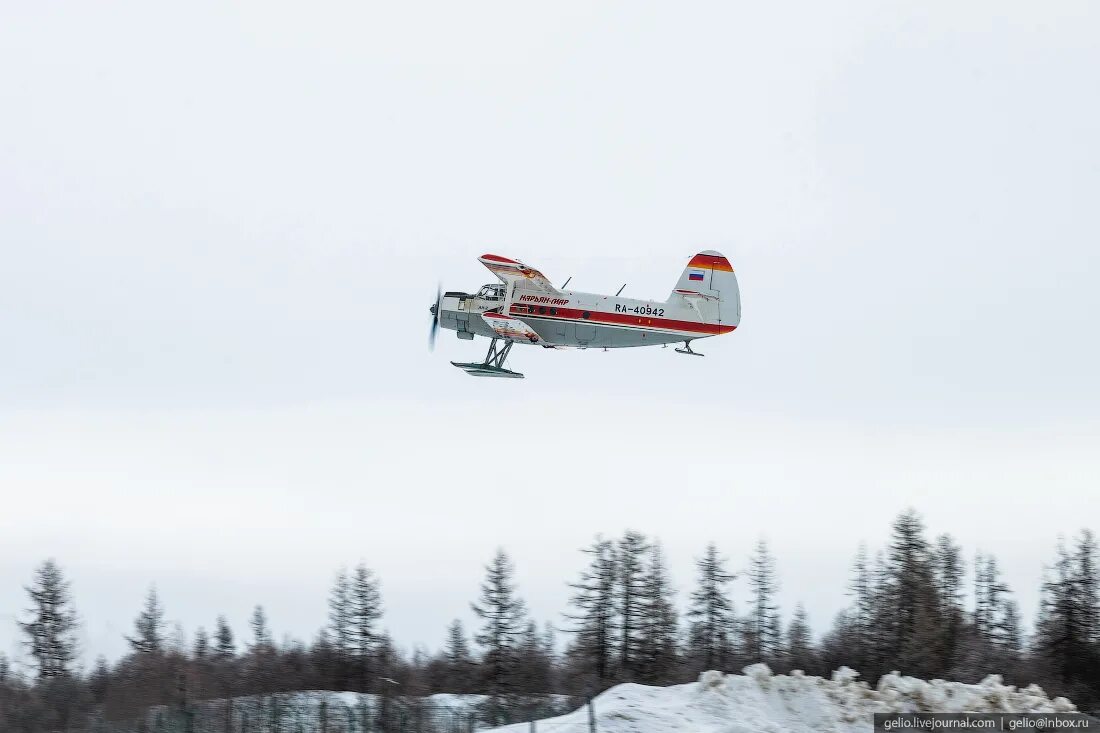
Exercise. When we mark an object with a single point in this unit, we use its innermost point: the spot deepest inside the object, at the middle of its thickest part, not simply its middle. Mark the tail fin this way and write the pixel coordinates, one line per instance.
(709, 277)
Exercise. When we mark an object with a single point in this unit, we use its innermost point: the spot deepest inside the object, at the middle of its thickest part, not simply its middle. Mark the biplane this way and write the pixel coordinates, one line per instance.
(526, 308)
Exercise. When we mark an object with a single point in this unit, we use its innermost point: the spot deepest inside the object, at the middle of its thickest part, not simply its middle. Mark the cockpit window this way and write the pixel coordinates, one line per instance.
(491, 292)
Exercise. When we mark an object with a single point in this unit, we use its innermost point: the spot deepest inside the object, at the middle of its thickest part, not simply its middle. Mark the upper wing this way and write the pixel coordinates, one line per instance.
(515, 272)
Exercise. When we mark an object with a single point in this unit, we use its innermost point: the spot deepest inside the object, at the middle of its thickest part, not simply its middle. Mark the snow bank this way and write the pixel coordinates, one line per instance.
(760, 702)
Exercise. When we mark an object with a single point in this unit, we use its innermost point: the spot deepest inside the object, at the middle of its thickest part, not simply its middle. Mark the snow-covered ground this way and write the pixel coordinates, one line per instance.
(760, 702)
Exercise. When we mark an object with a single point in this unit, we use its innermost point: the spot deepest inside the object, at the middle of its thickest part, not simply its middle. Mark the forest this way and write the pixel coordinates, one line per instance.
(918, 606)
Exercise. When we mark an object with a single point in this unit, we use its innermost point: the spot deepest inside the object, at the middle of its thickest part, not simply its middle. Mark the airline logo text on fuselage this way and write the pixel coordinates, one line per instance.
(543, 299)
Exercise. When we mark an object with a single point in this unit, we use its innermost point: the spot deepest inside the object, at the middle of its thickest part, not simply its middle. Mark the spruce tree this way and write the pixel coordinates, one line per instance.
(202, 662)
(1065, 638)
(860, 618)
(99, 681)
(1059, 629)
(948, 571)
(340, 630)
(883, 653)
(51, 622)
(224, 661)
(148, 635)
(457, 649)
(261, 634)
(1011, 629)
(799, 650)
(594, 599)
(460, 663)
(225, 649)
(632, 555)
(323, 659)
(365, 610)
(659, 653)
(200, 650)
(911, 610)
(503, 617)
(550, 651)
(989, 600)
(1087, 579)
(711, 613)
(982, 613)
(534, 664)
(996, 599)
(762, 630)
(259, 661)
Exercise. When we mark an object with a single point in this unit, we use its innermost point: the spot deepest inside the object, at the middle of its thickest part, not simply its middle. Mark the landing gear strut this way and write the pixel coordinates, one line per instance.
(687, 350)
(493, 366)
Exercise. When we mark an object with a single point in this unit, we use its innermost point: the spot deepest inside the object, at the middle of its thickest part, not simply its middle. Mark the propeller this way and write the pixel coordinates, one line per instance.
(435, 317)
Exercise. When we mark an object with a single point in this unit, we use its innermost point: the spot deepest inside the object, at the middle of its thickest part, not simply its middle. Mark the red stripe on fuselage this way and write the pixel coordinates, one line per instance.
(601, 318)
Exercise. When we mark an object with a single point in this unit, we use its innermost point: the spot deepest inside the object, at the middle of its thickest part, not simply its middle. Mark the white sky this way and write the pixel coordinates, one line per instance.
(221, 227)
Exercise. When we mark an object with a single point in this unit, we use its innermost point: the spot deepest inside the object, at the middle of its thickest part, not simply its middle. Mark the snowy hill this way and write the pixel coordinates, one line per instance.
(760, 702)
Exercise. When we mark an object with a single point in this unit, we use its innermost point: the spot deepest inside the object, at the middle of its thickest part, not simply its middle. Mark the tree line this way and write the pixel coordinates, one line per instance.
(916, 606)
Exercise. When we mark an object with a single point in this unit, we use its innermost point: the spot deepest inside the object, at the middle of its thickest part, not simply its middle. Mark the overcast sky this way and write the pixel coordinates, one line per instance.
(221, 227)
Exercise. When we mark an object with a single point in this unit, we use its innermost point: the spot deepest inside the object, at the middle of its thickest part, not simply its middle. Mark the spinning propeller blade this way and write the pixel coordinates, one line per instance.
(435, 318)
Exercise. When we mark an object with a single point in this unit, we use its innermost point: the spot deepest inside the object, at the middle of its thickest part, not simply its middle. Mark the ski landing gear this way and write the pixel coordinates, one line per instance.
(493, 366)
(687, 350)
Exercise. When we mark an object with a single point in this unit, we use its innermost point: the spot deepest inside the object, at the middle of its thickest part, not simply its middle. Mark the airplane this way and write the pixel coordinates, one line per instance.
(526, 308)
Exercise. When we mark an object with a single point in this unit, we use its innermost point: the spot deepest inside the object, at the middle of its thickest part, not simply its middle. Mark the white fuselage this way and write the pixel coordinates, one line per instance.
(582, 320)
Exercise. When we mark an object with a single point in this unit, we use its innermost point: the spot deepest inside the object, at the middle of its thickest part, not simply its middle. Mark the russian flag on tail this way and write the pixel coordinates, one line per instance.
(695, 276)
